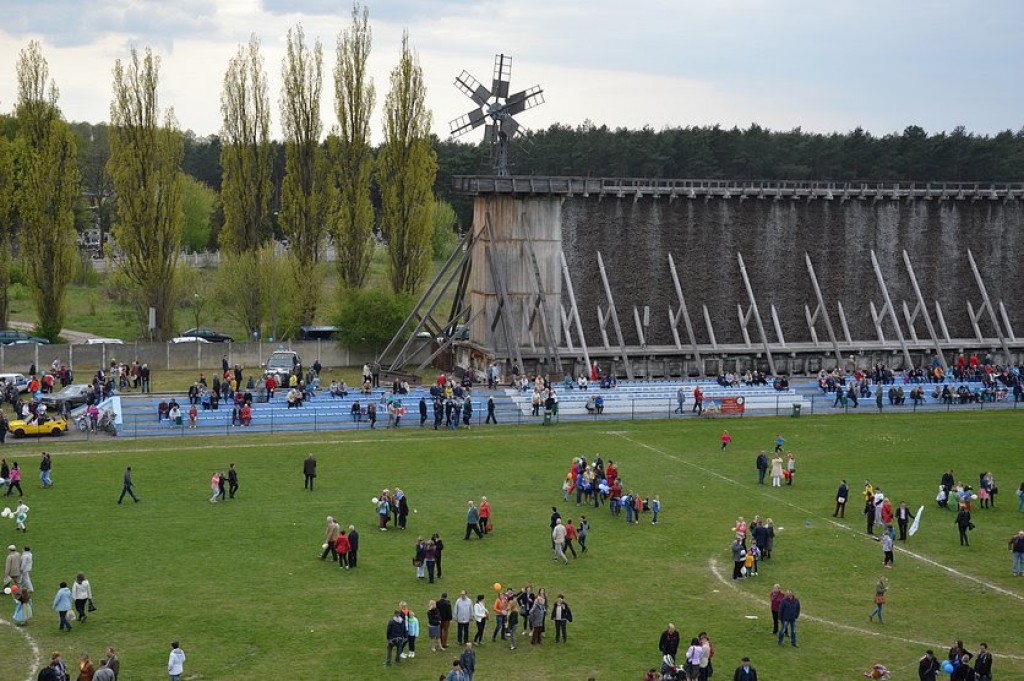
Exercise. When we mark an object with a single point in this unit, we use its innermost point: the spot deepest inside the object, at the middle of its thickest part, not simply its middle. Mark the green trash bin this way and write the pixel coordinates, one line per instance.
(796, 410)
(547, 417)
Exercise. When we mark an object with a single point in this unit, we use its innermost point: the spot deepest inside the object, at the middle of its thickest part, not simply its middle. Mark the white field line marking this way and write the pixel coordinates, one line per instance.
(33, 646)
(929, 561)
(255, 445)
(713, 565)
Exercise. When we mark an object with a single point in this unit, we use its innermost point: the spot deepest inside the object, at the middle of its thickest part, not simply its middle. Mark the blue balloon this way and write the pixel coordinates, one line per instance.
(947, 667)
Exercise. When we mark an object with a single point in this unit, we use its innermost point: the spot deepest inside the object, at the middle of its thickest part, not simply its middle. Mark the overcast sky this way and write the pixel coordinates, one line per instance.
(821, 65)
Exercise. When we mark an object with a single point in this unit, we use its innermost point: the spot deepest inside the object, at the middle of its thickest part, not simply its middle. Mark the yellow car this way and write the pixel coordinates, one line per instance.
(55, 427)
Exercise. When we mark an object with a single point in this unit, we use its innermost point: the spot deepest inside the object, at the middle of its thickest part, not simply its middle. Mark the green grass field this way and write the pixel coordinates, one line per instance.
(240, 584)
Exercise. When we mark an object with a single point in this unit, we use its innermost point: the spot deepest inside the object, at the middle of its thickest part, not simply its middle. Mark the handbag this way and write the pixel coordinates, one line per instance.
(91, 607)
(879, 599)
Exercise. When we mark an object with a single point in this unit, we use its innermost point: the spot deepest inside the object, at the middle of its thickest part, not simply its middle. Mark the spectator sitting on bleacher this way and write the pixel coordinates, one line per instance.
(357, 414)
(246, 415)
(161, 410)
(567, 382)
(294, 398)
(308, 390)
(204, 400)
(583, 382)
(599, 404)
(236, 416)
(367, 388)
(591, 405)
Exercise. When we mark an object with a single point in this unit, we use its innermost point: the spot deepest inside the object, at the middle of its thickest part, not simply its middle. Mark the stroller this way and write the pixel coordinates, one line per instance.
(669, 670)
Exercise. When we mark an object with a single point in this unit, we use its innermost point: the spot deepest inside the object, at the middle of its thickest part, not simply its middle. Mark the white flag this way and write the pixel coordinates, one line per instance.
(916, 523)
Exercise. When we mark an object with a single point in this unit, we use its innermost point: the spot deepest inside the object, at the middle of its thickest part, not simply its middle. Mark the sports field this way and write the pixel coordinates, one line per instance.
(241, 586)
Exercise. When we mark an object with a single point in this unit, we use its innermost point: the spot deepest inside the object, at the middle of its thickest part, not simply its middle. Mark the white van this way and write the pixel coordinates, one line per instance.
(17, 380)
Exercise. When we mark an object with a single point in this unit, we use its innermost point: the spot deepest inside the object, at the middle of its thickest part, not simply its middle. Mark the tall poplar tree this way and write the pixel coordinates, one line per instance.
(145, 165)
(406, 168)
(305, 191)
(245, 157)
(49, 186)
(350, 151)
(6, 216)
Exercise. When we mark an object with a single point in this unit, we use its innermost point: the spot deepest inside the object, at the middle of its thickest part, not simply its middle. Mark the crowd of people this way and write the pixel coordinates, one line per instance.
(511, 611)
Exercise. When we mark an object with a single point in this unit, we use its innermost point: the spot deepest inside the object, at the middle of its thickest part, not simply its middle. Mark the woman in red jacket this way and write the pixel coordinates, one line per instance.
(342, 546)
(485, 514)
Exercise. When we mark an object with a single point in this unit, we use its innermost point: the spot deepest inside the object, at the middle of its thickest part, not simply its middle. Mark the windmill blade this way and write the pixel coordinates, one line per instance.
(472, 88)
(527, 99)
(502, 75)
(491, 133)
(509, 127)
(467, 122)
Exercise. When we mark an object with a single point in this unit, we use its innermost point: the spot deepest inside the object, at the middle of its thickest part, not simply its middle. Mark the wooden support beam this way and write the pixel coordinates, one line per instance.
(615, 316)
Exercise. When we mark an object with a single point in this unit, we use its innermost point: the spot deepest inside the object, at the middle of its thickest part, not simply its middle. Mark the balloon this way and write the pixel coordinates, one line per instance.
(375, 500)
(497, 586)
(14, 588)
(7, 591)
(974, 497)
(743, 570)
(324, 546)
(947, 667)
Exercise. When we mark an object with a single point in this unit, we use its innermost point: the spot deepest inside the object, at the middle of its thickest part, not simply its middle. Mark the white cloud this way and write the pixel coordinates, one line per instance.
(781, 63)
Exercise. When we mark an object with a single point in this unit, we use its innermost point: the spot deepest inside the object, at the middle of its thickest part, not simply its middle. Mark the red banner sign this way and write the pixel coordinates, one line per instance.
(727, 406)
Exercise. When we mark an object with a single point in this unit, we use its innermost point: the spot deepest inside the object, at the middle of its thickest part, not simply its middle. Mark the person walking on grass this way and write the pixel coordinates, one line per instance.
(1016, 545)
(473, 521)
(881, 587)
(726, 440)
(127, 486)
(215, 487)
(887, 542)
(963, 524)
(62, 604)
(45, 467)
(309, 472)
(789, 612)
(467, 662)
(558, 540)
(232, 481)
(81, 592)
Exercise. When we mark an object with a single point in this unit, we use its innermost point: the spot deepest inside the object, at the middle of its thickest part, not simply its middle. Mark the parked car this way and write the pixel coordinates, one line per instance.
(208, 335)
(104, 341)
(19, 337)
(75, 395)
(281, 362)
(188, 339)
(17, 380)
(55, 427)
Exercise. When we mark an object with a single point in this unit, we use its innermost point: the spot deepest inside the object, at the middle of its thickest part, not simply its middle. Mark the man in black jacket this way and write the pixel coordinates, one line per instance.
(669, 642)
(396, 638)
(745, 672)
(444, 614)
(762, 467)
(928, 666)
(963, 523)
(842, 494)
(309, 471)
(983, 664)
(353, 543)
(789, 612)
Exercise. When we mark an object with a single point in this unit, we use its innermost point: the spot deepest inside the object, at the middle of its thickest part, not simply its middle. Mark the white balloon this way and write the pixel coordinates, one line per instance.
(375, 500)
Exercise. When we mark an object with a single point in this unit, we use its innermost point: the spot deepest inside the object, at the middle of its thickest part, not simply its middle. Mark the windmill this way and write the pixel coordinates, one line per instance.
(496, 108)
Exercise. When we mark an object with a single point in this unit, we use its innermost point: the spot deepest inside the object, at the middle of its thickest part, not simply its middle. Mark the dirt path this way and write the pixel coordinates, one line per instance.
(66, 334)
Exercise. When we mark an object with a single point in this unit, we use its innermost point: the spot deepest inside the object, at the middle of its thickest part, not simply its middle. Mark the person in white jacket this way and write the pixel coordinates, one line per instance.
(480, 616)
(81, 591)
(176, 662)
